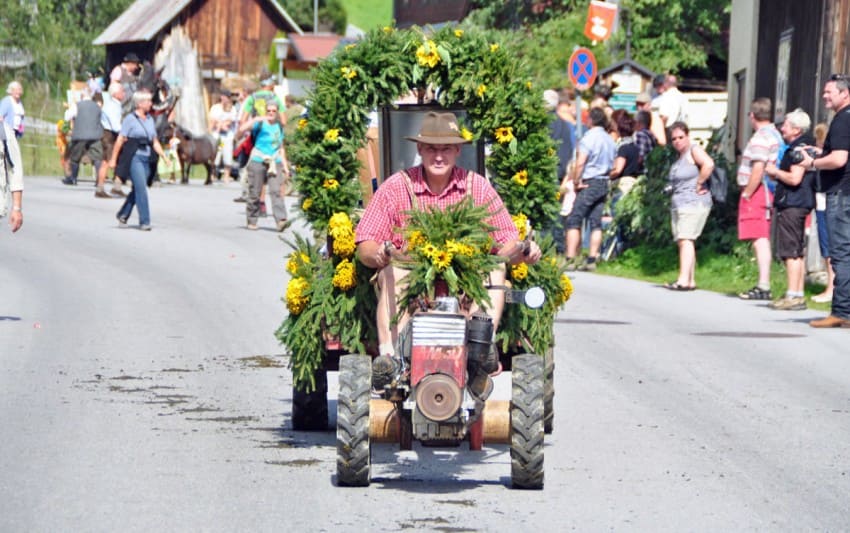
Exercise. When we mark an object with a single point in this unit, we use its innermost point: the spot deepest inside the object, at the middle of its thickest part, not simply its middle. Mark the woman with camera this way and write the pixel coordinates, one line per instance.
(793, 200)
(691, 201)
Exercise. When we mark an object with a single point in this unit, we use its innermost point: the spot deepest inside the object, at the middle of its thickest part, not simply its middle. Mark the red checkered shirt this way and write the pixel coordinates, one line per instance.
(385, 214)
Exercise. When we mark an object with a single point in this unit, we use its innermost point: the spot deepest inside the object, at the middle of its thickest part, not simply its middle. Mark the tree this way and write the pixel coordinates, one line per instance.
(513, 14)
(58, 34)
(676, 35)
(332, 15)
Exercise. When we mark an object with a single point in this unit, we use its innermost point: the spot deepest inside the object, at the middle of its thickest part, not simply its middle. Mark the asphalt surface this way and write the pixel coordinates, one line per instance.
(141, 388)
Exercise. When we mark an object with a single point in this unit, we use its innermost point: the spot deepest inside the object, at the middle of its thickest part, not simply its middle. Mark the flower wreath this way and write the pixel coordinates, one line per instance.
(330, 294)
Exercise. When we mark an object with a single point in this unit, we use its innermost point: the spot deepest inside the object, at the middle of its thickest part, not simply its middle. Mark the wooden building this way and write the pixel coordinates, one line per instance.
(231, 36)
(785, 50)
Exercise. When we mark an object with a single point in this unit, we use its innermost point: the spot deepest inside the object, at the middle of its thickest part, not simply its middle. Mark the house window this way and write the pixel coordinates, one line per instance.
(742, 132)
(783, 61)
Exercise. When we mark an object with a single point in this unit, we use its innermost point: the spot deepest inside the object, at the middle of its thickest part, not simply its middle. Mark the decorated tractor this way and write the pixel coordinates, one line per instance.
(435, 388)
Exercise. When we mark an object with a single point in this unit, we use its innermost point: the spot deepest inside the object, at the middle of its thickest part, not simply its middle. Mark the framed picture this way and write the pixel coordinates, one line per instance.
(398, 153)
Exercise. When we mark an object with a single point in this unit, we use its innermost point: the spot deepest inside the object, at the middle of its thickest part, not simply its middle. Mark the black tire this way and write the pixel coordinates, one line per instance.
(527, 422)
(549, 390)
(353, 449)
(310, 409)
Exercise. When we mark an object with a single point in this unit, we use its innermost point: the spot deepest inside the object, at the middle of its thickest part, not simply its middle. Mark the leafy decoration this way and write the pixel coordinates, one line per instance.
(504, 109)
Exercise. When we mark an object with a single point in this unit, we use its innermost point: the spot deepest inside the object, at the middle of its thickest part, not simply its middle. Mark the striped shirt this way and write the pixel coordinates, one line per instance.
(764, 147)
(385, 213)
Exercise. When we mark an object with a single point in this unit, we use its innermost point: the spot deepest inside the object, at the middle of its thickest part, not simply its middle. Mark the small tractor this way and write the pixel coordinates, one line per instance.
(435, 389)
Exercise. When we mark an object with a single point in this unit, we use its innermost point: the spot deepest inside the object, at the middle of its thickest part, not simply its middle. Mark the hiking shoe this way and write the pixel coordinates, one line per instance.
(756, 294)
(587, 266)
(102, 194)
(788, 304)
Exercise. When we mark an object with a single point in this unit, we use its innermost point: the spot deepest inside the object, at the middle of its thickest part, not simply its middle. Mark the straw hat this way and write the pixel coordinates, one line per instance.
(439, 128)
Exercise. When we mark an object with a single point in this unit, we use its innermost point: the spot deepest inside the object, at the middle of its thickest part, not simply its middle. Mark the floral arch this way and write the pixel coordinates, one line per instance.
(329, 292)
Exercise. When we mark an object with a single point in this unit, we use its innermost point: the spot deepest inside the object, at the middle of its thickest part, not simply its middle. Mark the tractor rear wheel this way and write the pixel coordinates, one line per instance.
(310, 409)
(527, 422)
(353, 448)
(549, 390)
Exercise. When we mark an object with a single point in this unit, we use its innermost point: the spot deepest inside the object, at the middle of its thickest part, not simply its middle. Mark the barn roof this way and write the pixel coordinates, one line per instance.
(311, 47)
(145, 18)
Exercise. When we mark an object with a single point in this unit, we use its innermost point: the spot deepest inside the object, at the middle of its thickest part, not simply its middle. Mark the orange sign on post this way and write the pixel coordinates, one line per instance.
(600, 20)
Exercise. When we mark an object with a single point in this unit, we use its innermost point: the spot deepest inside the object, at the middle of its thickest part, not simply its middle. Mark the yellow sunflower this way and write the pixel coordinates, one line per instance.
(427, 54)
(504, 135)
(332, 135)
(344, 277)
(521, 178)
(481, 90)
(442, 259)
(330, 184)
(519, 271)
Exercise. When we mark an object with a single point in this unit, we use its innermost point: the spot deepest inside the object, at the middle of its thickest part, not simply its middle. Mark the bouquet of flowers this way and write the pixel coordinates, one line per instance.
(453, 245)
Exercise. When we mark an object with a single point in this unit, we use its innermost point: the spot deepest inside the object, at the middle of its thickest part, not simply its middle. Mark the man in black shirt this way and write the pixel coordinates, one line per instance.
(835, 182)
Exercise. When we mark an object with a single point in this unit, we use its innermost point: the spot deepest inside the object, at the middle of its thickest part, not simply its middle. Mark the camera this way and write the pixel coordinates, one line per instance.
(796, 156)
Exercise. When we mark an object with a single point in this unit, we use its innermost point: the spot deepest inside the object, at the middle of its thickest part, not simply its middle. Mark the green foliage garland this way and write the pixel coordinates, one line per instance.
(503, 108)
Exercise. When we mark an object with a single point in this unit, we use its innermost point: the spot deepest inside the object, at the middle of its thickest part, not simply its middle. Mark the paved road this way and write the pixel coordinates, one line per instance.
(141, 389)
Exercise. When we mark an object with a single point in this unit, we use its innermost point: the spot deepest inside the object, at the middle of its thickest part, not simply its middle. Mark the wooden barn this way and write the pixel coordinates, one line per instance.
(785, 50)
(231, 36)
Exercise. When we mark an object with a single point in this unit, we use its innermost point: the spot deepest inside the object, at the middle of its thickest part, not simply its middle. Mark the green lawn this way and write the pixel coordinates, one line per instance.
(369, 14)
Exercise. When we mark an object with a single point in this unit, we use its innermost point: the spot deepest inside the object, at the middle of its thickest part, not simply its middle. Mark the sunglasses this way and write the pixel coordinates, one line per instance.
(839, 77)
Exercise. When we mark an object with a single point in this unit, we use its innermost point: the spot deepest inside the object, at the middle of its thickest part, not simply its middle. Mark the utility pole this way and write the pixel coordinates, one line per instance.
(315, 17)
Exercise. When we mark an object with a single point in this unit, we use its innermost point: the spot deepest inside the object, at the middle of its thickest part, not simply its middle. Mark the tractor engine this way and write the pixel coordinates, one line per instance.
(445, 352)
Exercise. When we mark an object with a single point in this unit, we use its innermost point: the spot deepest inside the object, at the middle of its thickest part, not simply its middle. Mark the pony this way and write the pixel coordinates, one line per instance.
(192, 150)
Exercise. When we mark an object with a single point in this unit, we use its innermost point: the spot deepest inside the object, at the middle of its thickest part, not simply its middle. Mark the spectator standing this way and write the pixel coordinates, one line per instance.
(594, 160)
(11, 177)
(674, 104)
(110, 120)
(820, 131)
(563, 133)
(835, 182)
(690, 202)
(12, 108)
(645, 139)
(794, 200)
(223, 117)
(654, 124)
(627, 162)
(86, 134)
(268, 164)
(754, 206)
(134, 144)
(127, 74)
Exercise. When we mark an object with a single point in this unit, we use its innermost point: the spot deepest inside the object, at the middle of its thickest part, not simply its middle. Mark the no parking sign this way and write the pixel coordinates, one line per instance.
(582, 68)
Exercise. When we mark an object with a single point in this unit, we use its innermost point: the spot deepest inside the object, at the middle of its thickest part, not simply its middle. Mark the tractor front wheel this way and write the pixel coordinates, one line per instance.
(353, 448)
(527, 384)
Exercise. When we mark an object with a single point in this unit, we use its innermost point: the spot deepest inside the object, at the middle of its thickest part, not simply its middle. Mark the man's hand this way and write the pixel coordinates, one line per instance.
(16, 220)
(521, 252)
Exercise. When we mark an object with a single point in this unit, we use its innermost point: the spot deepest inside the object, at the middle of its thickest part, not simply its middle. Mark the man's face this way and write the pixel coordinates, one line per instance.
(16, 92)
(132, 67)
(438, 159)
(833, 97)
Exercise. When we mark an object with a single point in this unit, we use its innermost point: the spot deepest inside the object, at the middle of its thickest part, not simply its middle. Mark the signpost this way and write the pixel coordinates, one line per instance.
(582, 72)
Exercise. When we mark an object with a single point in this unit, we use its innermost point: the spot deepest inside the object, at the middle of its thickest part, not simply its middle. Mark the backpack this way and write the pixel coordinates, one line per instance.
(718, 185)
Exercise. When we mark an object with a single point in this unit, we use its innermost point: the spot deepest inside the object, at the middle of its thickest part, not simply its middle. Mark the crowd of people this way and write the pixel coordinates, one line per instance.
(783, 175)
(115, 129)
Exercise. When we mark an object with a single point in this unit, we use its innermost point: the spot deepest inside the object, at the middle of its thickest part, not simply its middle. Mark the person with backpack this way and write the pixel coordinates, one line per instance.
(691, 201)
(267, 164)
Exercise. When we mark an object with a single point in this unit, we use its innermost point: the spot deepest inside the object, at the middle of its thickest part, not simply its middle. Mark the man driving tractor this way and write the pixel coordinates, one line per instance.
(436, 182)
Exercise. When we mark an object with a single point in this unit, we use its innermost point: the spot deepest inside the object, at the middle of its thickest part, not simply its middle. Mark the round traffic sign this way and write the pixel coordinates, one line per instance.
(582, 68)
